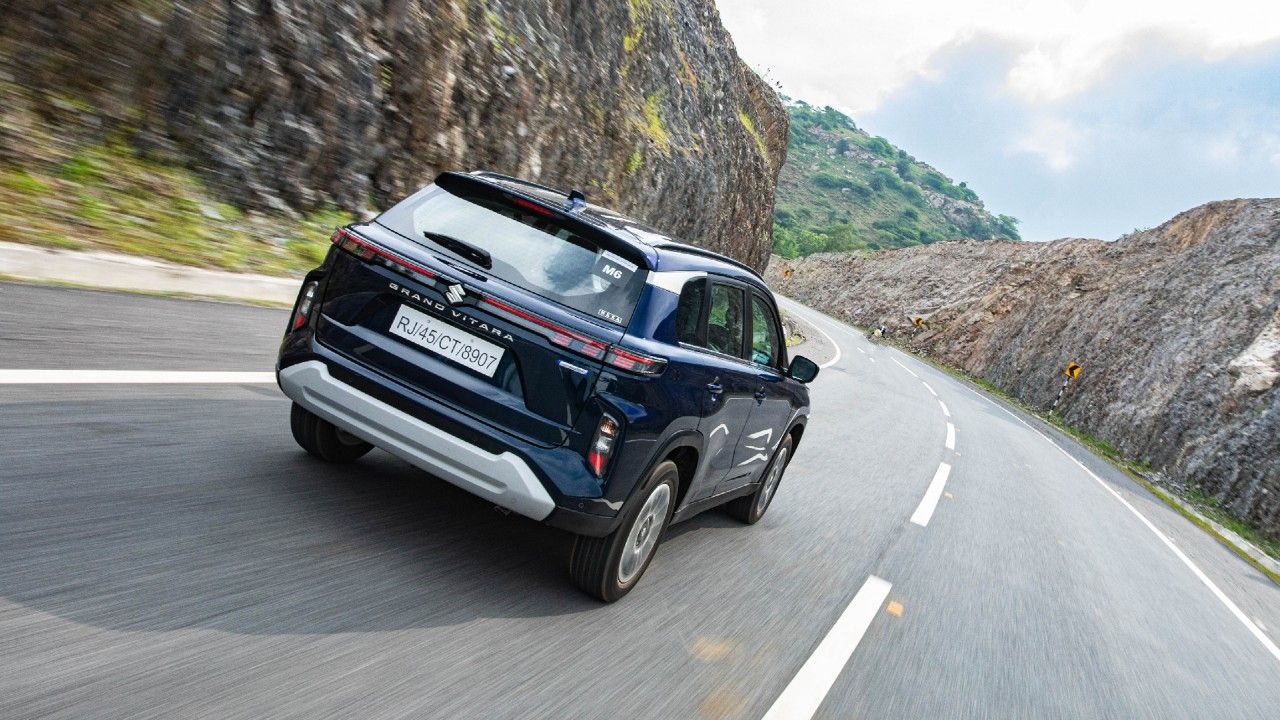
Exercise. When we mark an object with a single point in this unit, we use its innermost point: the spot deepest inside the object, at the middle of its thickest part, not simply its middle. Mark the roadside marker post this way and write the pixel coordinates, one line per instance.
(1072, 371)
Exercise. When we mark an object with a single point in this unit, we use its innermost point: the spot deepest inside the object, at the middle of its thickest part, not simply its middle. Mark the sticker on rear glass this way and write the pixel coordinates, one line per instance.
(613, 269)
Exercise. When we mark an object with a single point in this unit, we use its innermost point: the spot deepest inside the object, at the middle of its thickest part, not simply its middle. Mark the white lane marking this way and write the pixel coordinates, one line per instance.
(871, 359)
(864, 352)
(930, 500)
(904, 367)
(929, 387)
(951, 436)
(813, 321)
(945, 411)
(806, 691)
(1213, 588)
(131, 377)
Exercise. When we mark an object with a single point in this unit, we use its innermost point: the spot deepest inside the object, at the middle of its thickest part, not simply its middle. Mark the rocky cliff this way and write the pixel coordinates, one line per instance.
(1178, 330)
(292, 105)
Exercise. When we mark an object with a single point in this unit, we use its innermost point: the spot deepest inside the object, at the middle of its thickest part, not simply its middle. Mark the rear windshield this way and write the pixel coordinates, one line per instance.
(536, 251)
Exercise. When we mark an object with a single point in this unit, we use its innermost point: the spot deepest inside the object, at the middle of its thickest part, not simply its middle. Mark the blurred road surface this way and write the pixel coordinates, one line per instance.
(168, 551)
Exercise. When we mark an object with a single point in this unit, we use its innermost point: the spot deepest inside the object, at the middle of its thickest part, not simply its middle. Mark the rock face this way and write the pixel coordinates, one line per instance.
(293, 104)
(1177, 328)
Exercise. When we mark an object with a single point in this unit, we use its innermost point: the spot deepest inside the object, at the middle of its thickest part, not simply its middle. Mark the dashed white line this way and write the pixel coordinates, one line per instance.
(1213, 587)
(930, 500)
(929, 387)
(904, 367)
(131, 377)
(943, 405)
(951, 436)
(864, 352)
(871, 359)
(806, 691)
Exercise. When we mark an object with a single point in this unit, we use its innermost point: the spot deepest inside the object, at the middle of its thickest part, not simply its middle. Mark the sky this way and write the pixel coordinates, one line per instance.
(1081, 119)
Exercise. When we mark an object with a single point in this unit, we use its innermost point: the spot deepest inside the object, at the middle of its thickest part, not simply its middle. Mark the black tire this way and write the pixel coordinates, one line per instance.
(596, 564)
(322, 439)
(749, 509)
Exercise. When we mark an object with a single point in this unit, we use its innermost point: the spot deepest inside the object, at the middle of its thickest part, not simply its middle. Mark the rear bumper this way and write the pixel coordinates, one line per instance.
(502, 478)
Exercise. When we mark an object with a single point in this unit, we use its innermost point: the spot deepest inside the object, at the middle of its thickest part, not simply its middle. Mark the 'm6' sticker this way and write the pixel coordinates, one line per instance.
(613, 269)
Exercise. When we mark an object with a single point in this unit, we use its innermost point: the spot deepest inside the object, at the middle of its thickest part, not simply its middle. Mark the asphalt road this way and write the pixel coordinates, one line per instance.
(167, 551)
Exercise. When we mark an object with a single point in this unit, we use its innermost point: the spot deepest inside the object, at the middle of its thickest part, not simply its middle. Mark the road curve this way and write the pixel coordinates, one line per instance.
(167, 551)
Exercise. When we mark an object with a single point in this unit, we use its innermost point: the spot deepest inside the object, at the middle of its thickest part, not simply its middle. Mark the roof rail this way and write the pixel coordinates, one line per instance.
(703, 252)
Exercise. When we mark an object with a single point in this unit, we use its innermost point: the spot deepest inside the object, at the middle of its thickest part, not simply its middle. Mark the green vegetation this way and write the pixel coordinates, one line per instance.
(745, 118)
(843, 189)
(107, 197)
(654, 126)
(634, 162)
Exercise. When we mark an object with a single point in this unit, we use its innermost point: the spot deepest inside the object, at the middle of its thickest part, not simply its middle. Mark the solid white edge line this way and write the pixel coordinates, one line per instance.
(831, 340)
(1213, 587)
(951, 436)
(930, 500)
(131, 377)
(806, 691)
(904, 367)
(929, 387)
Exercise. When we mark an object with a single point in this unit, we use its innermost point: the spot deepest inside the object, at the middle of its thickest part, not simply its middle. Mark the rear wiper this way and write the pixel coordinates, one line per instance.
(466, 250)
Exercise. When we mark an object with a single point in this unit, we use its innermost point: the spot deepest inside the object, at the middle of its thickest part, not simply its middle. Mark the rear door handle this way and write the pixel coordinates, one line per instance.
(715, 388)
(760, 395)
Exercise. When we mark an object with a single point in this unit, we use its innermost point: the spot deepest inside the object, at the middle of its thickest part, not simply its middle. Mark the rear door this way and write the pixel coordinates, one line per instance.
(731, 383)
(774, 399)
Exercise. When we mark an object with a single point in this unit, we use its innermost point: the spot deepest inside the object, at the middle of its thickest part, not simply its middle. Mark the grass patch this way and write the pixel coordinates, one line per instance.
(654, 126)
(745, 118)
(632, 39)
(634, 163)
(106, 197)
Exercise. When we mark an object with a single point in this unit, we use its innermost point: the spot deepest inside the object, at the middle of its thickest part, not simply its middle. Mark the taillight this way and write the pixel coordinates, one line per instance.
(366, 250)
(306, 299)
(602, 445)
(558, 335)
(635, 362)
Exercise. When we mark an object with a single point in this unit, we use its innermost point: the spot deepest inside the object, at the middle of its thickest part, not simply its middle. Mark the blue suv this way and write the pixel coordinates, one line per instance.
(553, 357)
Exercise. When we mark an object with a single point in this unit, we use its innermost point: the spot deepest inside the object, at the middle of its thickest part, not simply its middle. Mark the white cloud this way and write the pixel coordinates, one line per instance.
(1057, 142)
(853, 54)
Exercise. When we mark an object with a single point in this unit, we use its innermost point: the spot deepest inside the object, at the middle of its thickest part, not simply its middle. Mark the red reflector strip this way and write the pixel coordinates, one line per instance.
(597, 462)
(341, 237)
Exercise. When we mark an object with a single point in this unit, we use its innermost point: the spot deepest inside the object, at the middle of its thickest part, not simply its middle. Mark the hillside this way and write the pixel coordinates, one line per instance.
(842, 189)
(1178, 330)
(233, 134)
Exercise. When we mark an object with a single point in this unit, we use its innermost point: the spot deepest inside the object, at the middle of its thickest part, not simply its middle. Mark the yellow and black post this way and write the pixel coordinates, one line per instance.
(1072, 371)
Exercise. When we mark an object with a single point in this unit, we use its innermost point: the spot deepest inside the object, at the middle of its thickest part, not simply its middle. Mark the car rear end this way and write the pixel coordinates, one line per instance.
(466, 330)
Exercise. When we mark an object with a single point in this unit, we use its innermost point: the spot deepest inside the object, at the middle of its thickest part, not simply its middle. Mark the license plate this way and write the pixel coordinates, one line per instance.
(447, 341)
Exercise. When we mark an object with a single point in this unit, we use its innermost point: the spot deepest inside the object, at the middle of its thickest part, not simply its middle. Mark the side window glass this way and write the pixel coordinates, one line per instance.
(764, 333)
(725, 327)
(689, 312)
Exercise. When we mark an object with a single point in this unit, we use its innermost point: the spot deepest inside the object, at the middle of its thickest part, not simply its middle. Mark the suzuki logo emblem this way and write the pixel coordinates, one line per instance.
(456, 294)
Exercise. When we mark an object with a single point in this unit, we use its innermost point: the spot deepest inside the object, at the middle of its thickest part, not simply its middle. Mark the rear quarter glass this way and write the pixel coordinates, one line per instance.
(532, 248)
